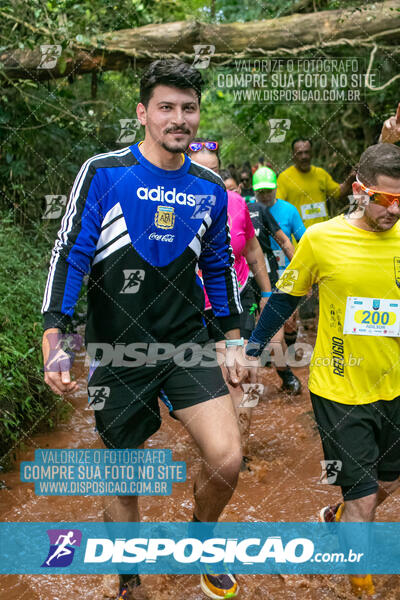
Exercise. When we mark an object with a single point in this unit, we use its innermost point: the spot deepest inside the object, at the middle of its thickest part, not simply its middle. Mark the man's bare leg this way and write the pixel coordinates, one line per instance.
(277, 345)
(213, 426)
(243, 413)
(386, 488)
(362, 510)
(121, 509)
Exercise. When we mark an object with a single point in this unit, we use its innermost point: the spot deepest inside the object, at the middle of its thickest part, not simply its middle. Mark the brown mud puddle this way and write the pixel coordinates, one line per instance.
(281, 486)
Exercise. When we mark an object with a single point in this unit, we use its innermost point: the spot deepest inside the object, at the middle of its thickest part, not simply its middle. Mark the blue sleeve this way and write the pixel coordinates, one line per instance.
(277, 310)
(297, 225)
(73, 250)
(216, 262)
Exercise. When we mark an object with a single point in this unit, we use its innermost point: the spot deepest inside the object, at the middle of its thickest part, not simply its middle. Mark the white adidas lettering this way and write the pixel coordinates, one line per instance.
(159, 194)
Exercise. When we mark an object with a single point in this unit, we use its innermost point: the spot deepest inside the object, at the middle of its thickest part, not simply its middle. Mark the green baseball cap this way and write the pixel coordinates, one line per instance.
(264, 179)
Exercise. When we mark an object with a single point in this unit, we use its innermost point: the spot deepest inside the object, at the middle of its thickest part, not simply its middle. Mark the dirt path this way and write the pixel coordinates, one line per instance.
(281, 486)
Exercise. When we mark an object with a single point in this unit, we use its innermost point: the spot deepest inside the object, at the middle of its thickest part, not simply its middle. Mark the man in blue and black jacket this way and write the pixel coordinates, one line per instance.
(141, 222)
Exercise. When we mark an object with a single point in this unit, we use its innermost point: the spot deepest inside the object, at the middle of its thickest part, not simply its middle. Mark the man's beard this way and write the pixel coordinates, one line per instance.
(376, 226)
(182, 147)
(304, 167)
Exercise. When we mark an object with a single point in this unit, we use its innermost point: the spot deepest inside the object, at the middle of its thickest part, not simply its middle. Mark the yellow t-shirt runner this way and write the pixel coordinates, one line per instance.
(358, 272)
(308, 192)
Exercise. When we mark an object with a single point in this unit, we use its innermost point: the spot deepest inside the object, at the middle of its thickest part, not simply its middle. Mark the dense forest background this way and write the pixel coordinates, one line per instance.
(49, 128)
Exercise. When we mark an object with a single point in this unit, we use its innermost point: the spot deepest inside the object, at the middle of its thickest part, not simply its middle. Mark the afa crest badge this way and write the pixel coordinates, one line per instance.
(165, 217)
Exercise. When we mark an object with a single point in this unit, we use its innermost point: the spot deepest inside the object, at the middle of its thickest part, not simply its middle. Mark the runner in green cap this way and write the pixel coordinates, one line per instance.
(291, 223)
(264, 178)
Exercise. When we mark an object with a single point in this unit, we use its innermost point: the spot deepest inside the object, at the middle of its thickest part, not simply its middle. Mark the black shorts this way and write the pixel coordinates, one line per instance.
(126, 398)
(364, 440)
(247, 317)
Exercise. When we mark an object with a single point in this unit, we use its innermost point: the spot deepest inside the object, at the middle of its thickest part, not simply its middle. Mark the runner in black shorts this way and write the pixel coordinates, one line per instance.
(141, 221)
(131, 413)
(366, 436)
(355, 368)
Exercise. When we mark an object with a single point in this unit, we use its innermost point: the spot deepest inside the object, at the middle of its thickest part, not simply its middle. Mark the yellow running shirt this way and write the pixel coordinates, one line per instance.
(348, 262)
(308, 192)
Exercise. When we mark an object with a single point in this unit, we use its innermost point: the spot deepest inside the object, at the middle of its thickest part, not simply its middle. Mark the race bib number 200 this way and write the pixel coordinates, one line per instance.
(372, 316)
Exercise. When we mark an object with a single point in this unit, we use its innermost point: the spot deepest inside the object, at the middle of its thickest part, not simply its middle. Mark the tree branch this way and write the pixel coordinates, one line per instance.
(289, 35)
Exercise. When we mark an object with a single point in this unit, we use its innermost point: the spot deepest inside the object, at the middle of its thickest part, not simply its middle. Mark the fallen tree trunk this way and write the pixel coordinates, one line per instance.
(288, 35)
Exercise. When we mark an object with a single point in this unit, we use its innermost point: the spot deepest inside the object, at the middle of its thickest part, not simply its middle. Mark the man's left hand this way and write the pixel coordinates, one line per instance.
(235, 364)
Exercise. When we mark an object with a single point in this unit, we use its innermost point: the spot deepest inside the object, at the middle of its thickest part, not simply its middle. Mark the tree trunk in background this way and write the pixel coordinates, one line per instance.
(289, 35)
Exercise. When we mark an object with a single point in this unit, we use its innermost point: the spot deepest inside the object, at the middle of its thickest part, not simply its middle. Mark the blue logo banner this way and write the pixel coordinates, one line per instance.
(188, 548)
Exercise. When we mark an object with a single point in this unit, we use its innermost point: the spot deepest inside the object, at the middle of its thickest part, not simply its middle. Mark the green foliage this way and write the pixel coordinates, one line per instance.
(50, 130)
(247, 10)
(26, 24)
(47, 130)
(26, 403)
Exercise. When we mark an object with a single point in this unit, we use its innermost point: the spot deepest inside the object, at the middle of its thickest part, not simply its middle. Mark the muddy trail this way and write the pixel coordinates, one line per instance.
(282, 485)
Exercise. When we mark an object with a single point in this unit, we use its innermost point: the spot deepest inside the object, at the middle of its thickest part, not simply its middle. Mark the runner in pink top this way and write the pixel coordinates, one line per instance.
(242, 230)
(248, 256)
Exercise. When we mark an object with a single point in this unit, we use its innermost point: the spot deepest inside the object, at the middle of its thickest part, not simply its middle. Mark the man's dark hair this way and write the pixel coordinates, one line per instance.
(261, 160)
(171, 72)
(380, 159)
(300, 139)
(248, 176)
(246, 168)
(228, 174)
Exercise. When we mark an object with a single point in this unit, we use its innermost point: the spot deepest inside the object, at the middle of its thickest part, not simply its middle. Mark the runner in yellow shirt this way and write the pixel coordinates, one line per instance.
(310, 188)
(355, 368)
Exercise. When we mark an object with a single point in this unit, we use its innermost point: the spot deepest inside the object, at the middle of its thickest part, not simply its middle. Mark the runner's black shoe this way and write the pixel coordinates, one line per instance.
(290, 383)
(245, 463)
(130, 588)
(132, 593)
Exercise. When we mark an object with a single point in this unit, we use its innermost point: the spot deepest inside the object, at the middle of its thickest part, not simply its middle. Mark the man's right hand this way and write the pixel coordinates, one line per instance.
(57, 363)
